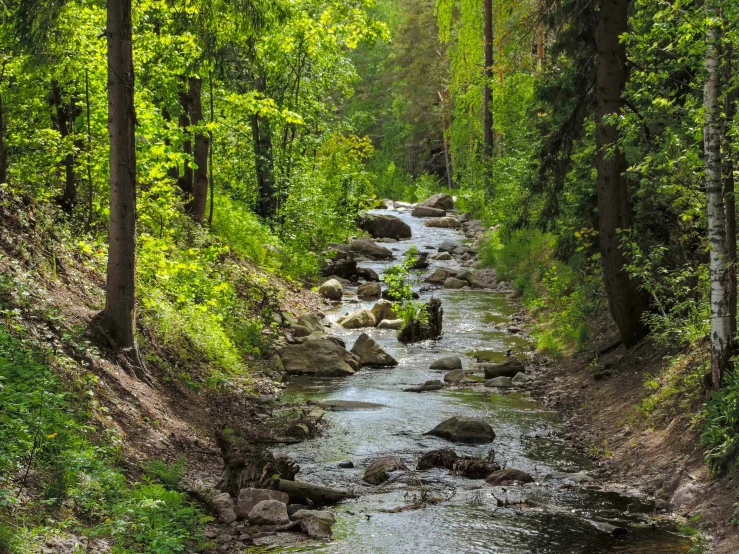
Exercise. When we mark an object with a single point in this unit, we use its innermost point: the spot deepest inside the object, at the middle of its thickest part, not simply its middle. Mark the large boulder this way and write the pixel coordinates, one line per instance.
(357, 319)
(509, 368)
(443, 223)
(427, 211)
(450, 246)
(367, 274)
(439, 201)
(454, 377)
(464, 429)
(311, 494)
(390, 324)
(250, 497)
(370, 353)
(379, 470)
(499, 382)
(315, 523)
(383, 309)
(312, 322)
(507, 476)
(455, 284)
(331, 289)
(369, 249)
(447, 363)
(224, 507)
(385, 226)
(369, 290)
(269, 512)
(319, 357)
(346, 269)
(440, 275)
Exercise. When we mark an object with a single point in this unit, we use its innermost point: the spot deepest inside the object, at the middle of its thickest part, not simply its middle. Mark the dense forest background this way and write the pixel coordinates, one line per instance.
(596, 142)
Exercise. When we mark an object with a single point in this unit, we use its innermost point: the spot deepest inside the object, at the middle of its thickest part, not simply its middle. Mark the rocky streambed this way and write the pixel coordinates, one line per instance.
(412, 491)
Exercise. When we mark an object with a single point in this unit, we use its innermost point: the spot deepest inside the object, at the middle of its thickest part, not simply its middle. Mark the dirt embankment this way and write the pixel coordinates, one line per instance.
(655, 448)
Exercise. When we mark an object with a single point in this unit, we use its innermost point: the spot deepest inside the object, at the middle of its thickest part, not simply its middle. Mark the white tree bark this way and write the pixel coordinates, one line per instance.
(721, 319)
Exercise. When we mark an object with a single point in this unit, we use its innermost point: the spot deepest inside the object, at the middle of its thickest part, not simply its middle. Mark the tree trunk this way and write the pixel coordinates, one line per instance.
(200, 152)
(447, 164)
(729, 191)
(64, 115)
(120, 294)
(185, 180)
(174, 171)
(626, 302)
(487, 94)
(3, 151)
(721, 318)
(90, 190)
(212, 148)
(263, 159)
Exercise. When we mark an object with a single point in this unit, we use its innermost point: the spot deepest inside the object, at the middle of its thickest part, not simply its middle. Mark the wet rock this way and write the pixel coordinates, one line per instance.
(447, 363)
(454, 377)
(509, 368)
(685, 495)
(321, 357)
(507, 476)
(427, 211)
(439, 201)
(464, 429)
(224, 507)
(276, 318)
(520, 379)
(358, 319)
(269, 512)
(578, 477)
(441, 256)
(390, 324)
(369, 290)
(346, 269)
(315, 523)
(430, 328)
(440, 275)
(337, 340)
(369, 249)
(312, 322)
(250, 497)
(454, 283)
(442, 457)
(379, 470)
(450, 246)
(346, 464)
(428, 386)
(367, 274)
(443, 223)
(341, 405)
(500, 382)
(383, 309)
(385, 226)
(312, 494)
(370, 353)
(474, 468)
(299, 331)
(331, 289)
(421, 261)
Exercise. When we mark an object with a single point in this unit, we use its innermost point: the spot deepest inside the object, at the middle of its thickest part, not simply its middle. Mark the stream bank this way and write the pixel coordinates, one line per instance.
(434, 511)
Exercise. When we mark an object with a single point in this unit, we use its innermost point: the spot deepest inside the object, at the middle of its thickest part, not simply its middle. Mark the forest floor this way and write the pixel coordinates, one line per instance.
(602, 394)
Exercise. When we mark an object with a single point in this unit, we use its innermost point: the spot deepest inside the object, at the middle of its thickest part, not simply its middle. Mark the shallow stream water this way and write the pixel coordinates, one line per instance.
(470, 519)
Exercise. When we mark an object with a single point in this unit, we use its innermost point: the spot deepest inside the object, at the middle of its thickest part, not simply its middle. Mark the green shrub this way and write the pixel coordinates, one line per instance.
(168, 475)
(721, 426)
(8, 539)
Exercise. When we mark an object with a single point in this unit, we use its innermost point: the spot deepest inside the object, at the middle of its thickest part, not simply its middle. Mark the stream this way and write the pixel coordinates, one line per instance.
(470, 519)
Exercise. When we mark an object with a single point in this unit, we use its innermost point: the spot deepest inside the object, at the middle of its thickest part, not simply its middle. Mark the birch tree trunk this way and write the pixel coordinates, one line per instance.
(487, 95)
(721, 318)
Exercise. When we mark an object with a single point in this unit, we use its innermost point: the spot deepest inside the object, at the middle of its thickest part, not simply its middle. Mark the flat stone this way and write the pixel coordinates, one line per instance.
(358, 319)
(315, 523)
(507, 476)
(520, 379)
(578, 477)
(441, 256)
(509, 368)
(427, 211)
(454, 377)
(379, 470)
(369, 290)
(454, 283)
(440, 275)
(390, 324)
(341, 405)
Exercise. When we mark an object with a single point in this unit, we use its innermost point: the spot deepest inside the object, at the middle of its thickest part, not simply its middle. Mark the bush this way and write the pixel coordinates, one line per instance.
(721, 426)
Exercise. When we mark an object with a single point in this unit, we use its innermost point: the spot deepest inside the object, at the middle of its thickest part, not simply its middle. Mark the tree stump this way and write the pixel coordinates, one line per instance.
(417, 331)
